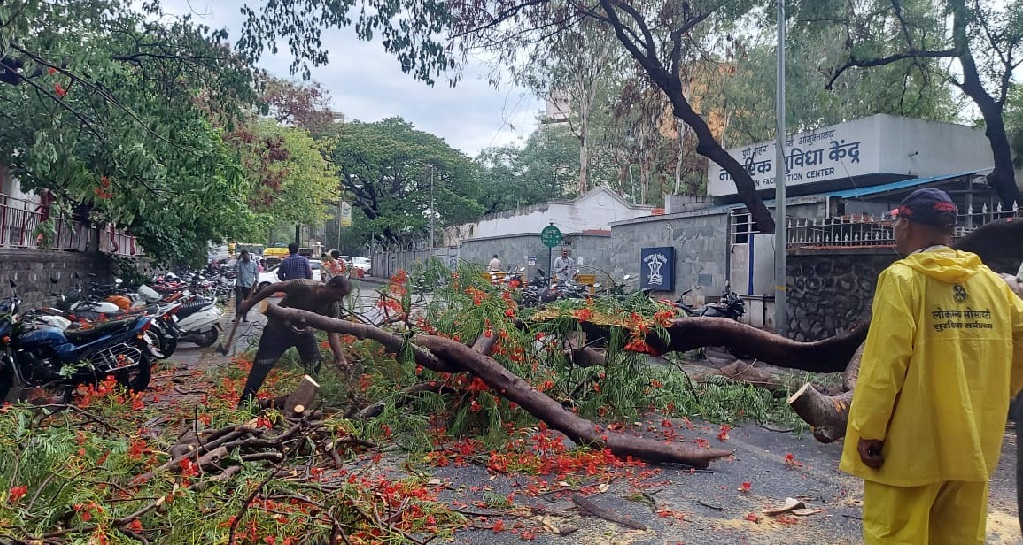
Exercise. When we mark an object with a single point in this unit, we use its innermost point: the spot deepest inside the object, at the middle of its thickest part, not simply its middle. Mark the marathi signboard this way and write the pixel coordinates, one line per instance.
(346, 214)
(551, 236)
(657, 269)
(840, 151)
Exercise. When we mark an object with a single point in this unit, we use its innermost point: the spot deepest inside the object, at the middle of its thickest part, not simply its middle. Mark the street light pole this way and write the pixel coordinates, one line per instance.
(780, 236)
(431, 210)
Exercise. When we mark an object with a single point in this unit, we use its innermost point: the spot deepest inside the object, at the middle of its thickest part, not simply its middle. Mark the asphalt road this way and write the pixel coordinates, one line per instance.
(706, 506)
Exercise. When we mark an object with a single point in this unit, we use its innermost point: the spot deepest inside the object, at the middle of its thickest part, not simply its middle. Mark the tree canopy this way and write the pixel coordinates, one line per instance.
(392, 172)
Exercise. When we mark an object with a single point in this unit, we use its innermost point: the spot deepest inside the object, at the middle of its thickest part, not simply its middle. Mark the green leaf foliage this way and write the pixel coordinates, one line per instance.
(391, 172)
(81, 119)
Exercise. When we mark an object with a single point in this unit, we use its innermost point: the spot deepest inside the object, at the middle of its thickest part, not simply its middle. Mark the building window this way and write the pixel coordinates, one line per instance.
(742, 226)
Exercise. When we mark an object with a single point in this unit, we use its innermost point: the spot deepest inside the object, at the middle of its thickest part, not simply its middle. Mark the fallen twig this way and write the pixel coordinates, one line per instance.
(592, 508)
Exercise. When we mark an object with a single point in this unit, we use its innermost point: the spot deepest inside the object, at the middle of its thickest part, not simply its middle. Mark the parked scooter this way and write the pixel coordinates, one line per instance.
(36, 354)
(198, 320)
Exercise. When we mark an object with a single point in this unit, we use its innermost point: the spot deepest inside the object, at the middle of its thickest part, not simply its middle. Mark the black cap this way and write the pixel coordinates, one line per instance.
(929, 206)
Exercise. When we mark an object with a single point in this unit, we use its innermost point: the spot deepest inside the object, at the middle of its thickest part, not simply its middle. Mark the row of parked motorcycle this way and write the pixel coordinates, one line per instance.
(116, 330)
(541, 290)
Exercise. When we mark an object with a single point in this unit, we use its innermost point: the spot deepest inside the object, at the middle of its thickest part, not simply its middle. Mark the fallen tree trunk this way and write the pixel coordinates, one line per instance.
(830, 355)
(580, 430)
(828, 416)
(392, 343)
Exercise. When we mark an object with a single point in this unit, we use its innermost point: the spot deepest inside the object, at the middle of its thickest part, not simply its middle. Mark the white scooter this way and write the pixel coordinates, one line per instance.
(199, 321)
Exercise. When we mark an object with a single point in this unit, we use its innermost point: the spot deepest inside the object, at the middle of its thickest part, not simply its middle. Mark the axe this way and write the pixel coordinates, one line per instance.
(226, 346)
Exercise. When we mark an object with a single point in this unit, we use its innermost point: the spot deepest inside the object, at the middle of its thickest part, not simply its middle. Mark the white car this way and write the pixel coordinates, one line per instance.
(363, 264)
(269, 276)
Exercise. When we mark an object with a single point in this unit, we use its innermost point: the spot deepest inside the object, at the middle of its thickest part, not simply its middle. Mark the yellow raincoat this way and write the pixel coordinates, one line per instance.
(942, 359)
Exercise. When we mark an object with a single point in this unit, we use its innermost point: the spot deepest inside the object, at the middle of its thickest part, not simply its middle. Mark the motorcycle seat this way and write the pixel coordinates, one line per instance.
(78, 333)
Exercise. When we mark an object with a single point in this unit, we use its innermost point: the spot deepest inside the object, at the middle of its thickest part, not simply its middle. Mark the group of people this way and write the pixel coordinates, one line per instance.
(942, 359)
(564, 266)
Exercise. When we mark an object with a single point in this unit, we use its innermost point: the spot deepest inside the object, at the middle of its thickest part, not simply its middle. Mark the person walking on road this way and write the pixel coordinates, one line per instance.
(247, 273)
(495, 265)
(333, 265)
(278, 336)
(295, 267)
(943, 357)
(564, 266)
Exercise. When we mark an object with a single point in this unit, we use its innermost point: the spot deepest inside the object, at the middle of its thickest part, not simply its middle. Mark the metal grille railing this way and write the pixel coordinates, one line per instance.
(867, 231)
(20, 218)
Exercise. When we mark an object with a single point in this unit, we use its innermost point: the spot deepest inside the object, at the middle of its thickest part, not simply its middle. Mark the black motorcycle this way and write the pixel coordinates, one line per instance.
(729, 306)
(36, 353)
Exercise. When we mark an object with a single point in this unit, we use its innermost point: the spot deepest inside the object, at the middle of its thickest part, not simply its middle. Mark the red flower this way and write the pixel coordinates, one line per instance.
(51, 70)
(745, 487)
(498, 525)
(16, 493)
(791, 461)
(583, 314)
(723, 434)
(61, 91)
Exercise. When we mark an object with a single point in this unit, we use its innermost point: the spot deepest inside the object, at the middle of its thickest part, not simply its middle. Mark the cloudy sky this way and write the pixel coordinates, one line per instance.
(367, 84)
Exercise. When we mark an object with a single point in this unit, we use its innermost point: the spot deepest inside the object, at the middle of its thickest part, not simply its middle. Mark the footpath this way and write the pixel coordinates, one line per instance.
(721, 506)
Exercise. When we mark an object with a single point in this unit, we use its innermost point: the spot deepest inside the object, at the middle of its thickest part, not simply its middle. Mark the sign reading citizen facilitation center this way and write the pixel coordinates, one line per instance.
(657, 269)
(879, 144)
(839, 151)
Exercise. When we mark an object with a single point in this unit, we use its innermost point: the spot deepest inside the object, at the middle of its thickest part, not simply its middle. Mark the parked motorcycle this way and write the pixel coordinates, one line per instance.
(70, 308)
(198, 320)
(36, 354)
(730, 306)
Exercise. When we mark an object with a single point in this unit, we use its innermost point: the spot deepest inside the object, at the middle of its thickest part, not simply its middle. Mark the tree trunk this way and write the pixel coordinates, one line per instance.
(578, 429)
(827, 415)
(707, 145)
(1003, 177)
(827, 356)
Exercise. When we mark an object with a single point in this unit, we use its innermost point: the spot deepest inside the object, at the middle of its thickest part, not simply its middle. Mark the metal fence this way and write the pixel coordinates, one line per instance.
(20, 220)
(868, 231)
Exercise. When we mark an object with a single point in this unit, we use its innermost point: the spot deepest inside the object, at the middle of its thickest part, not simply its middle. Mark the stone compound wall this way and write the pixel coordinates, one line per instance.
(32, 270)
(830, 291)
(700, 242)
(513, 251)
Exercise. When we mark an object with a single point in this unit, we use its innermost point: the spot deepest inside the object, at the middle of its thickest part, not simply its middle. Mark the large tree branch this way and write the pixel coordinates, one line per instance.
(578, 429)
(708, 146)
(854, 62)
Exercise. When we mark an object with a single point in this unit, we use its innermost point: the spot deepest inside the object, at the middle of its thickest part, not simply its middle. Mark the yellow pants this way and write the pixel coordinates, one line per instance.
(952, 512)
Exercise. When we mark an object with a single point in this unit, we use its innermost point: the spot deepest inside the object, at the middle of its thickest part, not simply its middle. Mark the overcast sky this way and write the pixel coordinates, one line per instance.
(367, 84)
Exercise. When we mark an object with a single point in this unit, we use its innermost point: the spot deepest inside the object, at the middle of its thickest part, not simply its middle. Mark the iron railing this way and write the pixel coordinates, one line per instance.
(20, 219)
(868, 231)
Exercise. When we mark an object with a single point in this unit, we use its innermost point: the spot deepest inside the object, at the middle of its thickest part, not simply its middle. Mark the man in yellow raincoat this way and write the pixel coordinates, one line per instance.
(943, 358)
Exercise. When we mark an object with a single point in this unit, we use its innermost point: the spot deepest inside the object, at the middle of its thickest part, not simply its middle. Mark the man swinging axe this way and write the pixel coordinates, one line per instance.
(278, 336)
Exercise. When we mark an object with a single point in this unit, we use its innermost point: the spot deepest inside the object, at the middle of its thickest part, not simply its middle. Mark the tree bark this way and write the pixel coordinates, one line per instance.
(578, 429)
(302, 398)
(830, 355)
(392, 343)
(827, 415)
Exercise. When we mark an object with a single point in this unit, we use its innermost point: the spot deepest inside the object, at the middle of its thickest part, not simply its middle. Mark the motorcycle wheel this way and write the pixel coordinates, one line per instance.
(209, 337)
(136, 379)
(6, 382)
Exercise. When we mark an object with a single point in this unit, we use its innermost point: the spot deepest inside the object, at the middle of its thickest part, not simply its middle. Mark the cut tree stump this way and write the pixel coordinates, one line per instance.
(827, 415)
(302, 398)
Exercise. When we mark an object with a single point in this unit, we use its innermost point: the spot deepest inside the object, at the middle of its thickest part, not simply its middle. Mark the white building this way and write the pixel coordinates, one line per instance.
(871, 151)
(594, 211)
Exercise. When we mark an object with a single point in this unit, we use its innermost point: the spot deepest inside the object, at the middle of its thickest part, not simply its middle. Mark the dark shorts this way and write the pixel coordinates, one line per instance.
(276, 340)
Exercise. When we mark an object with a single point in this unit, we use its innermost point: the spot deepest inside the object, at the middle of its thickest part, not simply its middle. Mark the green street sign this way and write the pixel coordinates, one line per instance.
(550, 236)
